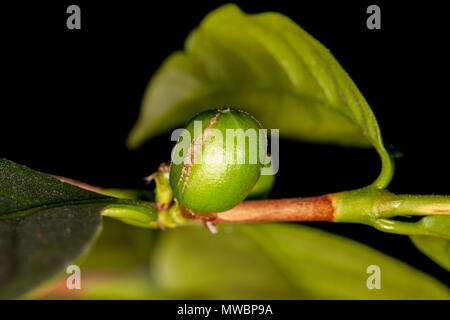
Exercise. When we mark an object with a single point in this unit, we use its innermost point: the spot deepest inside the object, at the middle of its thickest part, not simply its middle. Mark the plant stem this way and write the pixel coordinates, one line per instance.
(387, 168)
(370, 205)
(419, 205)
(296, 209)
(399, 227)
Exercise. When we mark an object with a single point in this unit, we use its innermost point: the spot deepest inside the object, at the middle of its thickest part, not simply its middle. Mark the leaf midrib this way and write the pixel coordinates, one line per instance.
(54, 205)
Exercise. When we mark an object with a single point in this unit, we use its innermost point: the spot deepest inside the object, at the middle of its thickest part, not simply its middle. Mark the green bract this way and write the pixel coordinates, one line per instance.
(216, 161)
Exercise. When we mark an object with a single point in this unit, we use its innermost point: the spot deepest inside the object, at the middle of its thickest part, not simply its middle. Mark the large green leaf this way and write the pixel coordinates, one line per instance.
(45, 224)
(268, 65)
(281, 261)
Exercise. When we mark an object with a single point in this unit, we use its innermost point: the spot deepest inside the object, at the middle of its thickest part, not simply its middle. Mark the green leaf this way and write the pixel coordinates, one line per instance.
(115, 268)
(262, 187)
(105, 284)
(135, 194)
(437, 249)
(276, 261)
(437, 224)
(121, 247)
(268, 65)
(45, 224)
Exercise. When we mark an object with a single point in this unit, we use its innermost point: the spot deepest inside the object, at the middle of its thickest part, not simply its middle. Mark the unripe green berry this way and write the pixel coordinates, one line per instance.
(218, 168)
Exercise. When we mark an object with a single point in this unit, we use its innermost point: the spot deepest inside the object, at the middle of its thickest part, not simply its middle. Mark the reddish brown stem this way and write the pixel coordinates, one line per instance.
(296, 209)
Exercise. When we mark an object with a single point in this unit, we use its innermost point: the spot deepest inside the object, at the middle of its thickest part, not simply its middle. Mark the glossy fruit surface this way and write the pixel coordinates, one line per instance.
(220, 162)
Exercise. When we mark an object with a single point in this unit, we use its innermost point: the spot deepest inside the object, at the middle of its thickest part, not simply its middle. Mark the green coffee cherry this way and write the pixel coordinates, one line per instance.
(216, 161)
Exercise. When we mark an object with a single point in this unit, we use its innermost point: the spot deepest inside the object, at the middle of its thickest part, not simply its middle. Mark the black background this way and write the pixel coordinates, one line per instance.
(287, 309)
(69, 97)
